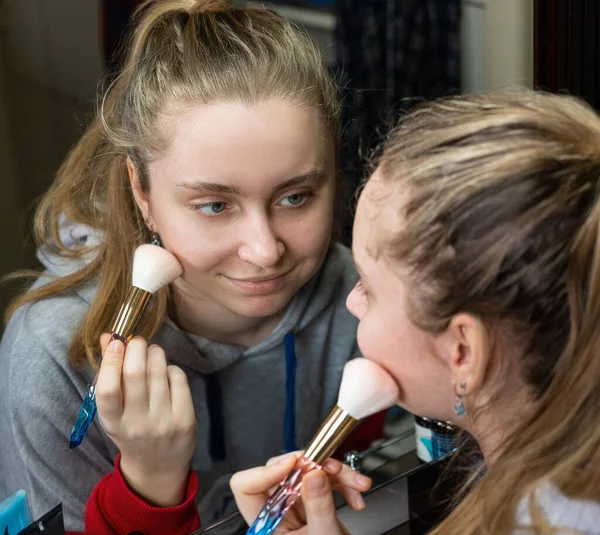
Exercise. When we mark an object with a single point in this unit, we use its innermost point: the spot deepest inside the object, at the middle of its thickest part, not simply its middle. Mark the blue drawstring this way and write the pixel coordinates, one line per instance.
(214, 398)
(289, 417)
(215, 405)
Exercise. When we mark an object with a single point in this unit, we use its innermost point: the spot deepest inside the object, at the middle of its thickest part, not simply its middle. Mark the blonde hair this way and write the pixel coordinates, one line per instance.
(503, 222)
(182, 52)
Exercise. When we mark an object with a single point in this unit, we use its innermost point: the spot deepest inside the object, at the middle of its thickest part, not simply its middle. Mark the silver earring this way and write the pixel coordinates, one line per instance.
(459, 408)
(156, 240)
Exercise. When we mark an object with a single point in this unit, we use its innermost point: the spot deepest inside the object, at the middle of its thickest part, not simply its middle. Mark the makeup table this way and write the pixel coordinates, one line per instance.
(409, 504)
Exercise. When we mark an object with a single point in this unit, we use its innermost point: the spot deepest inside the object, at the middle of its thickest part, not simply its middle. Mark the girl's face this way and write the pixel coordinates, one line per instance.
(244, 198)
(386, 335)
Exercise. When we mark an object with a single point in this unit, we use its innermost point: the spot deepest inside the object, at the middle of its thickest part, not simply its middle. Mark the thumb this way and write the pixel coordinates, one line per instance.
(251, 487)
(317, 498)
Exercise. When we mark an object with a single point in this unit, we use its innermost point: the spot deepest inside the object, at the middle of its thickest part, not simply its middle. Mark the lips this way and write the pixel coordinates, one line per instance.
(262, 285)
(258, 279)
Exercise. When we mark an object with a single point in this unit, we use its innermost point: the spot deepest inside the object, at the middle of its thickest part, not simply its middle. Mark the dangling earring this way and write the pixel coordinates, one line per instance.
(154, 238)
(459, 408)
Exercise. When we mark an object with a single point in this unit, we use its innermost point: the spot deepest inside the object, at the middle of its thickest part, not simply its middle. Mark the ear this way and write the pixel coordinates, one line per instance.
(138, 194)
(468, 353)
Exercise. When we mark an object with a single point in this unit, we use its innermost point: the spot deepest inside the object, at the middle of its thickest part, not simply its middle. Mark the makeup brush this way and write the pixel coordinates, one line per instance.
(366, 388)
(153, 268)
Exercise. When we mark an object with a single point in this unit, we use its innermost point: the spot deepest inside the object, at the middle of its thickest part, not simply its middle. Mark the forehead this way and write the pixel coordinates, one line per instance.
(231, 139)
(378, 217)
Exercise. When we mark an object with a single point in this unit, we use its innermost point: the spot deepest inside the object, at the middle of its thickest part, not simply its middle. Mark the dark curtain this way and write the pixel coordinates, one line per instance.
(567, 48)
(390, 55)
(115, 16)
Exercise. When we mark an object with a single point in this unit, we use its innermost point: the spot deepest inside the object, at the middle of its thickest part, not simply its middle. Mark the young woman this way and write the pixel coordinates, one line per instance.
(219, 138)
(477, 240)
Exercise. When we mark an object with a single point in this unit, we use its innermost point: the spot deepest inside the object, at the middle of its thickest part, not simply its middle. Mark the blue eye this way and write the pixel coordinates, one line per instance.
(296, 199)
(211, 208)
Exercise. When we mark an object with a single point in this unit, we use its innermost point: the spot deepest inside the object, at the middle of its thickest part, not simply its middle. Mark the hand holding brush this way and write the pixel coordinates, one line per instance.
(366, 388)
(153, 268)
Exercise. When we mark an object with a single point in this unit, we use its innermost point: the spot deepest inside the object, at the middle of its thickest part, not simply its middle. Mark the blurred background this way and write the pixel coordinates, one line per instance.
(387, 54)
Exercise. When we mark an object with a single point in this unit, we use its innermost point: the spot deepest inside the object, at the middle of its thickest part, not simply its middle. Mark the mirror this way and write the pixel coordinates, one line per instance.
(481, 45)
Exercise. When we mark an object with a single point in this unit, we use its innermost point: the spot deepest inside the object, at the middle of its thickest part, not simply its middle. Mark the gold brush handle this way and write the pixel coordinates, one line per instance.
(331, 434)
(130, 313)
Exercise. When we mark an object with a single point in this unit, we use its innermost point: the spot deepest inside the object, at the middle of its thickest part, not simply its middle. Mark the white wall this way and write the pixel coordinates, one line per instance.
(497, 44)
(509, 43)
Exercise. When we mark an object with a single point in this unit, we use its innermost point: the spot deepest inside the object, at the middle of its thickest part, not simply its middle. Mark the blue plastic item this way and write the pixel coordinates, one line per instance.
(85, 417)
(14, 513)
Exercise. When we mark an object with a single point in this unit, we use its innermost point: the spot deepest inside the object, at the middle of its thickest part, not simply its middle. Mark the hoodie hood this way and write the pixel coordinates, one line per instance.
(73, 236)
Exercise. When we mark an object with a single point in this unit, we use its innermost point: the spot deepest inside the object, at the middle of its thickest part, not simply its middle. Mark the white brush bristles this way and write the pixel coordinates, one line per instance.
(154, 267)
(366, 389)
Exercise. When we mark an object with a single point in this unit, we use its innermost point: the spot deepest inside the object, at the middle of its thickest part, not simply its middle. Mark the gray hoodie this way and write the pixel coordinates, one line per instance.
(240, 394)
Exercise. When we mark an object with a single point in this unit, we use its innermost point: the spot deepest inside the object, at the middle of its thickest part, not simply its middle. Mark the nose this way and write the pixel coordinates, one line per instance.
(260, 246)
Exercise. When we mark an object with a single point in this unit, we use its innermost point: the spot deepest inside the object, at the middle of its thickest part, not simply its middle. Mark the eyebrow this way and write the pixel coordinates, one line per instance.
(198, 185)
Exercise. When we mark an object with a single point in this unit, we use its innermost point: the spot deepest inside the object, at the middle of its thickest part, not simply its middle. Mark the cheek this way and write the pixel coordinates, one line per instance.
(308, 234)
(193, 243)
(394, 343)
(378, 338)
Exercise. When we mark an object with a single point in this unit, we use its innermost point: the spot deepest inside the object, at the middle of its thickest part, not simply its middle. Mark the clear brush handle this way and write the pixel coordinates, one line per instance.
(87, 410)
(85, 416)
(282, 499)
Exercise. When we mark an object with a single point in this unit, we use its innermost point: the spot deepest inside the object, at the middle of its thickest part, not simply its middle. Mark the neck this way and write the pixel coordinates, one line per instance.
(215, 322)
(498, 417)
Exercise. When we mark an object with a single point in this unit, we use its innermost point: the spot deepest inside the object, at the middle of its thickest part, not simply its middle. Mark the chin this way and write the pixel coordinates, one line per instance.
(262, 306)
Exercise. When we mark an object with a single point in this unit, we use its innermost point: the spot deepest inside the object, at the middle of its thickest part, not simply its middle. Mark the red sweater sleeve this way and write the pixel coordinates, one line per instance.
(113, 509)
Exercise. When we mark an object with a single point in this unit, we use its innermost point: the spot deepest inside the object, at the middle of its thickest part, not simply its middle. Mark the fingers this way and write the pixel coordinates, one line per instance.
(182, 405)
(104, 341)
(135, 390)
(250, 487)
(353, 498)
(348, 482)
(158, 383)
(109, 396)
(332, 467)
(279, 458)
(318, 504)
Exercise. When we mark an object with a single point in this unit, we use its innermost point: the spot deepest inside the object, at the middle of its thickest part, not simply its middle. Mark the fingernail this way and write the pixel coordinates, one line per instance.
(278, 460)
(359, 503)
(316, 484)
(361, 480)
(115, 346)
(330, 465)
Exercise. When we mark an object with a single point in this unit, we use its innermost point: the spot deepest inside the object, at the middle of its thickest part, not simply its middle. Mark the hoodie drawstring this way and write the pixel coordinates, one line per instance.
(215, 405)
(289, 417)
(214, 400)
